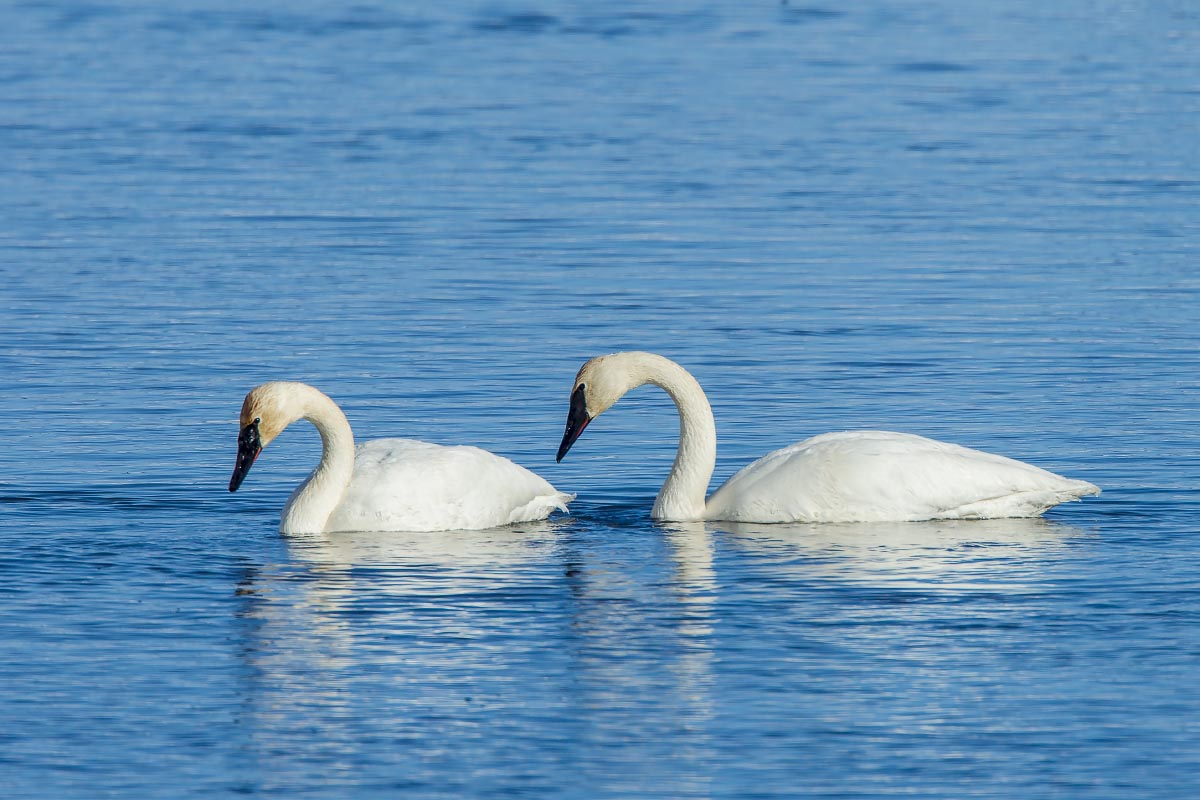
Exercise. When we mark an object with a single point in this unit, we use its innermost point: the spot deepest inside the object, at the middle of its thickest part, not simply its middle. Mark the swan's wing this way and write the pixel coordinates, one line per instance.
(867, 476)
(404, 484)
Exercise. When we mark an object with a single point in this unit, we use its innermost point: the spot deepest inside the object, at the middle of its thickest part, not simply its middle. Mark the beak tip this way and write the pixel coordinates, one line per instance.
(568, 439)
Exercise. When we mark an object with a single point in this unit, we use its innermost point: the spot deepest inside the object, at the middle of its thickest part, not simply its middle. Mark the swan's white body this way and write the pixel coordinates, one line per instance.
(393, 484)
(860, 476)
(880, 476)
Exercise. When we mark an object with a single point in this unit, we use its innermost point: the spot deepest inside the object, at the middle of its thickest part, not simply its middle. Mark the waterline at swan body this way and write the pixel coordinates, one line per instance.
(386, 484)
(855, 476)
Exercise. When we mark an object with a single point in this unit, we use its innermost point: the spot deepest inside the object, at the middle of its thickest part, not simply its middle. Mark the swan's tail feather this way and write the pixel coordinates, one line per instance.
(1024, 504)
(541, 507)
(562, 498)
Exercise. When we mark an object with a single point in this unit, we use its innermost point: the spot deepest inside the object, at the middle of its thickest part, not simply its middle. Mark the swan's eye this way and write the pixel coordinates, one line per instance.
(257, 420)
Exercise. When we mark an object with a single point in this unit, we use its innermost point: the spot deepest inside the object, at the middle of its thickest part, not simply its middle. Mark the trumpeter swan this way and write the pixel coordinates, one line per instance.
(857, 476)
(386, 484)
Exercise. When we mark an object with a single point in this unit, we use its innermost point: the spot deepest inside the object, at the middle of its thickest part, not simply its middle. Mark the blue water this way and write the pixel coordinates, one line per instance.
(974, 221)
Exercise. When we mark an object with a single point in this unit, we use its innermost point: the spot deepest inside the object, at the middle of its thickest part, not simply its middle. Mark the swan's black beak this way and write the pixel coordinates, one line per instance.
(577, 420)
(249, 446)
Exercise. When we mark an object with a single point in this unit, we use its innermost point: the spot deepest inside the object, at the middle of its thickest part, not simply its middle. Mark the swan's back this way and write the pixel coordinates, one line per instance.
(876, 476)
(404, 484)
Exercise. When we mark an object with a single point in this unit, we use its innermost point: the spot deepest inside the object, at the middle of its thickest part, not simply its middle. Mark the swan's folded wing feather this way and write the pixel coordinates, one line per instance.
(404, 484)
(878, 475)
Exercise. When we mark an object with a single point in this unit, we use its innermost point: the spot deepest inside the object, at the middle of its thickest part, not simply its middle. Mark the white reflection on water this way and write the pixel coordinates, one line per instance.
(456, 551)
(695, 588)
(997, 554)
(412, 638)
(428, 640)
(338, 581)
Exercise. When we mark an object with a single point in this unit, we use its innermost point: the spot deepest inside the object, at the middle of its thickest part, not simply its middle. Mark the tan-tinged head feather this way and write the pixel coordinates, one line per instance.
(268, 405)
(605, 379)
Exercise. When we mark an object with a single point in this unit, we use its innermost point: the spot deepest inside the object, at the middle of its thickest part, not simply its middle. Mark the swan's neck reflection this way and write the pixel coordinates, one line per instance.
(695, 583)
(695, 588)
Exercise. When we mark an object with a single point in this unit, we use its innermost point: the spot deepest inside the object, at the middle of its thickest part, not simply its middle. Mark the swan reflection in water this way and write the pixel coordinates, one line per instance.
(455, 552)
(696, 590)
(996, 554)
(401, 583)
(443, 642)
(554, 635)
(408, 638)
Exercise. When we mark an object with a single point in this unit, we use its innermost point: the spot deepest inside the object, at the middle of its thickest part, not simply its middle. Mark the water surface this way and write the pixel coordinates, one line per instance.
(974, 223)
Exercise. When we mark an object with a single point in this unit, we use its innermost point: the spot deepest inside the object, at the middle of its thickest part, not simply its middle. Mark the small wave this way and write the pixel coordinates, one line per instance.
(528, 23)
(931, 67)
(798, 15)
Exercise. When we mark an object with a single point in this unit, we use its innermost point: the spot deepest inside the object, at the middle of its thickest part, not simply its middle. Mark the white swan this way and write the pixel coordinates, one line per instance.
(386, 484)
(859, 476)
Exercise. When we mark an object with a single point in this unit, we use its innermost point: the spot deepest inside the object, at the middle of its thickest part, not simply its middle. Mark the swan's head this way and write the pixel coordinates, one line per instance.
(601, 382)
(266, 411)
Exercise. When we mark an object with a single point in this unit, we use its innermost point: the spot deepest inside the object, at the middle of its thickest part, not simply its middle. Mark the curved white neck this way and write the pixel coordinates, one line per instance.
(682, 495)
(309, 507)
